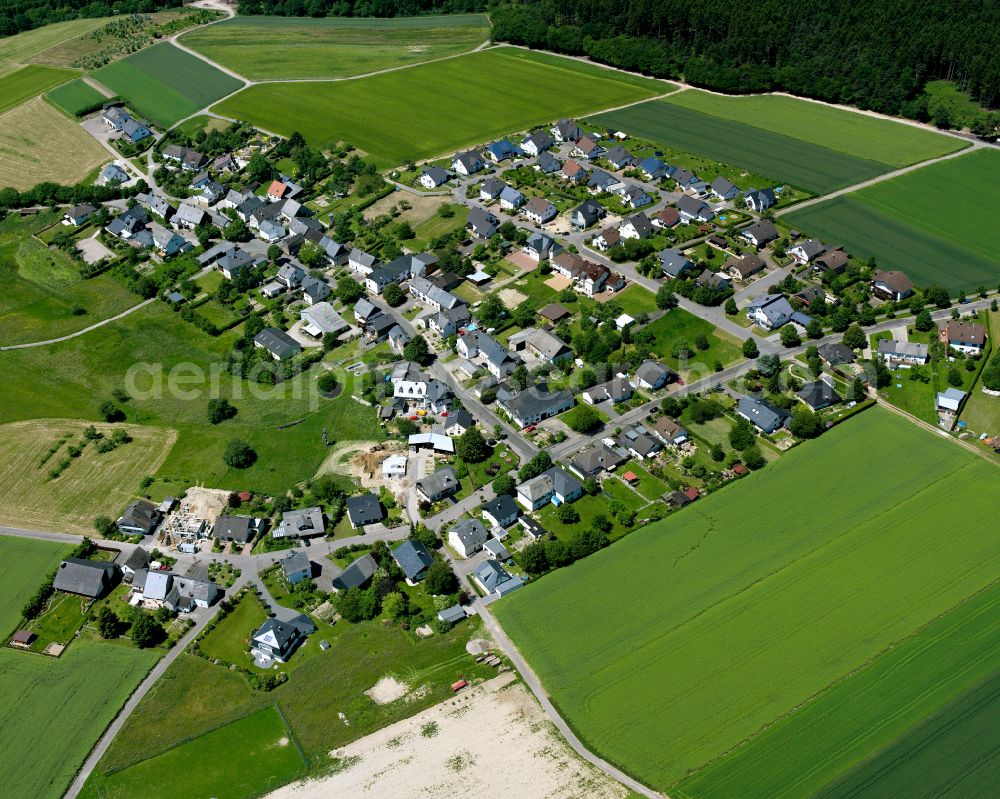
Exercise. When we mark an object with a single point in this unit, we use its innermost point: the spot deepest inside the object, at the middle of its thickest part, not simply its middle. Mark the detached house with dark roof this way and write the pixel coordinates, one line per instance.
(553, 486)
(762, 414)
(414, 559)
(364, 510)
(89, 578)
(278, 343)
(818, 395)
(759, 200)
(891, 286)
(139, 518)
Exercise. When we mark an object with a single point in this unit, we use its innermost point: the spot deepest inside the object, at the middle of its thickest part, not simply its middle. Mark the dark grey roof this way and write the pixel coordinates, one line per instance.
(819, 394)
(761, 231)
(364, 509)
(295, 561)
(674, 262)
(835, 354)
(763, 414)
(141, 514)
(413, 558)
(500, 507)
(235, 528)
(277, 342)
(86, 577)
(137, 559)
(357, 574)
(439, 483)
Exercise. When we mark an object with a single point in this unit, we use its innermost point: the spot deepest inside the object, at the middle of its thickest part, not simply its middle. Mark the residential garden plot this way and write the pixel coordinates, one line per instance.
(753, 606)
(23, 565)
(902, 226)
(93, 484)
(75, 97)
(851, 132)
(44, 296)
(265, 758)
(302, 47)
(30, 81)
(801, 163)
(166, 84)
(870, 712)
(39, 144)
(679, 329)
(588, 508)
(434, 106)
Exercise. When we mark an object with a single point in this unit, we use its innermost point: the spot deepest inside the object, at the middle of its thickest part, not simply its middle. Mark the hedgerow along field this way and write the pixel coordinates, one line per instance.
(902, 223)
(38, 143)
(29, 82)
(165, 84)
(782, 158)
(850, 132)
(433, 108)
(719, 620)
(871, 712)
(59, 707)
(75, 97)
(262, 48)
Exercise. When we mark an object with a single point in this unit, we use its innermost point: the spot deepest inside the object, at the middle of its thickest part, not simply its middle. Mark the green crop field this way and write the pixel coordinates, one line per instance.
(32, 45)
(436, 108)
(901, 222)
(75, 97)
(953, 754)
(165, 84)
(743, 607)
(856, 134)
(264, 48)
(865, 714)
(782, 158)
(83, 689)
(29, 82)
(210, 765)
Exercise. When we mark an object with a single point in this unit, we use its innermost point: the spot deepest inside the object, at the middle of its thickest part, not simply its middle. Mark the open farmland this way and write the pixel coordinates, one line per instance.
(334, 47)
(850, 132)
(29, 82)
(869, 712)
(38, 144)
(784, 159)
(76, 97)
(32, 46)
(430, 103)
(165, 84)
(93, 484)
(746, 606)
(900, 222)
(83, 689)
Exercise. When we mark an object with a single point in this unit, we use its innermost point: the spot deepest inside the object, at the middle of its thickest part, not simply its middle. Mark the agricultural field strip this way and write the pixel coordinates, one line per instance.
(748, 718)
(853, 132)
(30, 81)
(867, 711)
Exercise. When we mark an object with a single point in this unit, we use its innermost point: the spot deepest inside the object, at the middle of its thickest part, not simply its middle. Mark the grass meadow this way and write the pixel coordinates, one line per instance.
(37, 143)
(760, 597)
(263, 48)
(865, 715)
(30, 81)
(430, 104)
(44, 296)
(59, 707)
(782, 158)
(93, 484)
(678, 325)
(166, 84)
(33, 45)
(72, 378)
(902, 224)
(264, 758)
(855, 134)
(75, 96)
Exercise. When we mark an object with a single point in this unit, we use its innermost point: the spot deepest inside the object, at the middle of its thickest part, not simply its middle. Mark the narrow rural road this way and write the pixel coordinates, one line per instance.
(137, 696)
(532, 681)
(68, 336)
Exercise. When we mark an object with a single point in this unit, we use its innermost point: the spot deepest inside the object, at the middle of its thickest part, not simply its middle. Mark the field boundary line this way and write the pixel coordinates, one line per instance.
(291, 735)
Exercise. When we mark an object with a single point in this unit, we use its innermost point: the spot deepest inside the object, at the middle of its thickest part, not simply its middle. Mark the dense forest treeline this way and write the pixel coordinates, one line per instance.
(872, 55)
(358, 8)
(17, 16)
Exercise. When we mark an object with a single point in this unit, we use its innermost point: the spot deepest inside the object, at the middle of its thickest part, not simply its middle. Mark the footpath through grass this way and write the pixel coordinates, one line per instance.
(433, 108)
(263, 48)
(744, 605)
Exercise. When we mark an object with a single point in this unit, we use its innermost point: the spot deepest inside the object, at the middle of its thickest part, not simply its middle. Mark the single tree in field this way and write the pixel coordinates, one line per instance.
(238, 454)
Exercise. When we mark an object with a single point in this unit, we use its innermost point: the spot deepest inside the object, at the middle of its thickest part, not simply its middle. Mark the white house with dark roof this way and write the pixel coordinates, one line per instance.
(554, 486)
(467, 537)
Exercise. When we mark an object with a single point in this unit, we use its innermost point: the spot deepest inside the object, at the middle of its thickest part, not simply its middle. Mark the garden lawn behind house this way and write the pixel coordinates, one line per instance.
(779, 609)
(434, 101)
(333, 47)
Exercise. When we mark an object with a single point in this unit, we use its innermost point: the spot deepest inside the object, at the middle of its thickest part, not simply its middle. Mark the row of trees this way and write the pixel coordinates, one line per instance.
(834, 50)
